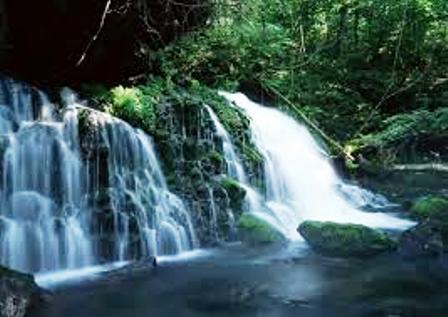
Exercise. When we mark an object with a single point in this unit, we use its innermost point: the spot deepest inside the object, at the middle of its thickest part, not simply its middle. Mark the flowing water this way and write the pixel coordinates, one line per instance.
(63, 207)
(301, 183)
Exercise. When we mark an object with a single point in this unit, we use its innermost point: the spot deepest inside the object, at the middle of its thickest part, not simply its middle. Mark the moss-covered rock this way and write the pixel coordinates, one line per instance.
(336, 239)
(434, 207)
(253, 230)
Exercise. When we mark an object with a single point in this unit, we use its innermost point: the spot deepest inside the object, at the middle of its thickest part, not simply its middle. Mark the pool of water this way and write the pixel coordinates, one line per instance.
(273, 281)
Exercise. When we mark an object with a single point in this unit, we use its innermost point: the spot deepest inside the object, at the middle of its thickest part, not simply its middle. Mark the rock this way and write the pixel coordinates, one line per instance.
(18, 293)
(427, 239)
(134, 268)
(235, 192)
(335, 239)
(434, 207)
(253, 230)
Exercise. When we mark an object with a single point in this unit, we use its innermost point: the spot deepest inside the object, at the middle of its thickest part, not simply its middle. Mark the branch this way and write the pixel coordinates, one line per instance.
(95, 36)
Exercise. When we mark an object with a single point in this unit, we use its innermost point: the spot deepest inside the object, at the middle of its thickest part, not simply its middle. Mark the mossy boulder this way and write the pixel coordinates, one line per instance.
(434, 207)
(254, 230)
(347, 240)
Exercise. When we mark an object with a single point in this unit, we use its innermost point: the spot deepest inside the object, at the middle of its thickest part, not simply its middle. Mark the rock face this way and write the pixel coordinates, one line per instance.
(192, 158)
(76, 40)
(253, 230)
(335, 239)
(18, 293)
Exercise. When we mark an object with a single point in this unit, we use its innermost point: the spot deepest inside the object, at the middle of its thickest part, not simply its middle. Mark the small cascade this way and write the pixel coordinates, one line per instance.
(79, 187)
(301, 184)
(213, 216)
(234, 165)
(254, 201)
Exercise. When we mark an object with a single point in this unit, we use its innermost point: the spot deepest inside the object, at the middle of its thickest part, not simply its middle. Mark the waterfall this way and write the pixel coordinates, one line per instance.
(301, 183)
(70, 201)
(255, 202)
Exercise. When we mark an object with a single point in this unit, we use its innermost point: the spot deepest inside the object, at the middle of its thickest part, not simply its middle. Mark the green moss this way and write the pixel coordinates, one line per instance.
(344, 239)
(253, 230)
(434, 207)
(230, 184)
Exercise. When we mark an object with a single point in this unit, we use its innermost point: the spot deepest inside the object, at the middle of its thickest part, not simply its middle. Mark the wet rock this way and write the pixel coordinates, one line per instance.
(427, 239)
(349, 240)
(18, 293)
(133, 269)
(253, 230)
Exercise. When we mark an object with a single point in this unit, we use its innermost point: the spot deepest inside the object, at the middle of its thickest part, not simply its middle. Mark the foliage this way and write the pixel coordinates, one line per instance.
(409, 126)
(347, 64)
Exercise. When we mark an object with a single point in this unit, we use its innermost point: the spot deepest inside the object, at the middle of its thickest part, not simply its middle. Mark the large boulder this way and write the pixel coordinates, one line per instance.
(18, 293)
(336, 239)
(254, 230)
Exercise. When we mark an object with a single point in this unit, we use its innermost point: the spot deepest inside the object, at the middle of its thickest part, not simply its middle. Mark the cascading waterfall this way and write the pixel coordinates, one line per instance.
(254, 201)
(50, 217)
(137, 190)
(40, 189)
(301, 183)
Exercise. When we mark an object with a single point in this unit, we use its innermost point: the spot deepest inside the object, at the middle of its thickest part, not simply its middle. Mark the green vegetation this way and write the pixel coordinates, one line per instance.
(368, 77)
(434, 207)
(253, 230)
(344, 239)
(355, 71)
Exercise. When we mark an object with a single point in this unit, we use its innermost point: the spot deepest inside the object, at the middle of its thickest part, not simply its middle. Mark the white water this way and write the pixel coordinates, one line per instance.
(254, 201)
(50, 218)
(40, 190)
(301, 183)
(138, 189)
(74, 275)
